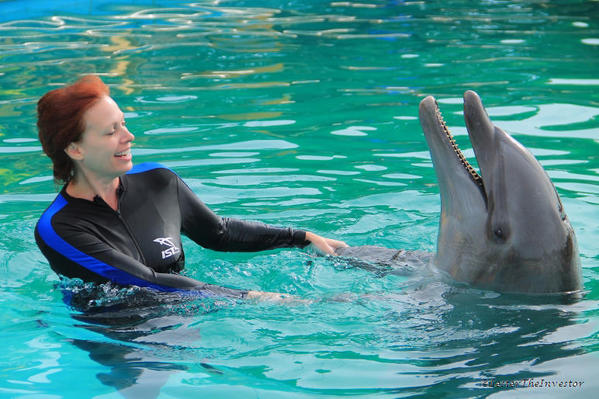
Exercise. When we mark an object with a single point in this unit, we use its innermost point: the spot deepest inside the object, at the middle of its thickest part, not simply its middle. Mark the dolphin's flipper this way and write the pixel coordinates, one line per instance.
(384, 261)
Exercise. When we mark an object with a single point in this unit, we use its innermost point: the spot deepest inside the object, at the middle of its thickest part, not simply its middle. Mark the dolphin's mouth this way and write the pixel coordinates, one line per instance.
(474, 175)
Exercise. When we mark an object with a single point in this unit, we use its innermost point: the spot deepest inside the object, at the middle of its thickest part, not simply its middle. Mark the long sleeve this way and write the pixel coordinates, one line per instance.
(225, 234)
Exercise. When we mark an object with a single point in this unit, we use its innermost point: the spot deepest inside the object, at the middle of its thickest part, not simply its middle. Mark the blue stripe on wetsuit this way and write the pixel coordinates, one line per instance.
(54, 241)
(146, 166)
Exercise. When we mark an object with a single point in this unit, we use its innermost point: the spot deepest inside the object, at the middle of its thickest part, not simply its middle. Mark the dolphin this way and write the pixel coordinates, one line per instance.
(503, 228)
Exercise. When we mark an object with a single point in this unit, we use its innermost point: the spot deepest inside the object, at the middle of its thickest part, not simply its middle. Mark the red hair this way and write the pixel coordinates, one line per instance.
(60, 120)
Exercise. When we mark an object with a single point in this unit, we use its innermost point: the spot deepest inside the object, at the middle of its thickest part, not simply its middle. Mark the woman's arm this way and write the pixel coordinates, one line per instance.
(226, 234)
(209, 230)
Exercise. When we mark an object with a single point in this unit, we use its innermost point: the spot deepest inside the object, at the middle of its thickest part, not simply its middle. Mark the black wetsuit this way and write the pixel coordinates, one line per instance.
(140, 243)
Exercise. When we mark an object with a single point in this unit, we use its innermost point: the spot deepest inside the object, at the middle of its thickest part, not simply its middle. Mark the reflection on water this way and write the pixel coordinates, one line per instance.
(302, 114)
(127, 330)
(440, 338)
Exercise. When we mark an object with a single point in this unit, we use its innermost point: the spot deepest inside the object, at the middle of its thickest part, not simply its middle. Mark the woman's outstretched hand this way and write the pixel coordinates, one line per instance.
(325, 245)
(276, 297)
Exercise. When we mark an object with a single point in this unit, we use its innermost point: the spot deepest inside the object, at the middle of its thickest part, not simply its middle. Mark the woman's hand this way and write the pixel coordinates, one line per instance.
(268, 296)
(275, 297)
(325, 245)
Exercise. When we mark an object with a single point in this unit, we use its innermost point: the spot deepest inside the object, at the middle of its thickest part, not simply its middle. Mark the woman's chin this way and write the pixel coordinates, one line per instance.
(124, 164)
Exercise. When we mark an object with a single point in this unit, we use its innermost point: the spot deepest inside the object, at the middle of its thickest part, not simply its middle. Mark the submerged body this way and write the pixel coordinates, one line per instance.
(504, 229)
(384, 261)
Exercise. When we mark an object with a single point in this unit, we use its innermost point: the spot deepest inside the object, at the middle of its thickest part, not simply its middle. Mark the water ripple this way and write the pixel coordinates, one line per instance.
(301, 114)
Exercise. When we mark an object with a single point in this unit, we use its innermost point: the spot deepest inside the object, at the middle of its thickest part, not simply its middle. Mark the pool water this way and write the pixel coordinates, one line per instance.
(301, 113)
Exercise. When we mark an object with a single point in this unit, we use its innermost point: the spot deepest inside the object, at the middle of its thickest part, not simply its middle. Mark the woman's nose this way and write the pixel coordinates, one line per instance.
(127, 136)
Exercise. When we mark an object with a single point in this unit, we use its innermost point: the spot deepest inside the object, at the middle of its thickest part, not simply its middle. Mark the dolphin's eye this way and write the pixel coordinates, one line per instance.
(500, 233)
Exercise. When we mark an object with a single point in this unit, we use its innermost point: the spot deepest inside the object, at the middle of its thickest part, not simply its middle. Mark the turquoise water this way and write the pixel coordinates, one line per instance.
(304, 114)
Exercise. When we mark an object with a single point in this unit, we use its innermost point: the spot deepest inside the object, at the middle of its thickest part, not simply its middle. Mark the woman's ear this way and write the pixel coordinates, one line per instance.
(74, 152)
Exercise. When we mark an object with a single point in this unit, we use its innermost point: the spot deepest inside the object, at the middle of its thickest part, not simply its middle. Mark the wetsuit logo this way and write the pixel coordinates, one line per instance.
(172, 249)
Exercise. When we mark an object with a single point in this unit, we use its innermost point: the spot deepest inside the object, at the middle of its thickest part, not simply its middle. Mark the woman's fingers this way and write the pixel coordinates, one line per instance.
(325, 245)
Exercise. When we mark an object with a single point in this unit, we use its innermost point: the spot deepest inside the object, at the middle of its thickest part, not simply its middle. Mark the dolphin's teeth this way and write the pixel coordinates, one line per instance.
(473, 173)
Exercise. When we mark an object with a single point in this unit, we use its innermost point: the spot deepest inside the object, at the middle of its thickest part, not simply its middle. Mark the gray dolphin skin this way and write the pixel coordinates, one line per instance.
(504, 229)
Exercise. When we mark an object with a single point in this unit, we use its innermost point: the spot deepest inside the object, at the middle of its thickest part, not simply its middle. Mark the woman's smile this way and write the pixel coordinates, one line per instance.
(124, 155)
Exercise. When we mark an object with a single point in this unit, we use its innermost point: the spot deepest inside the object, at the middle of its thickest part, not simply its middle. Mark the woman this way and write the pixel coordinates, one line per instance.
(119, 223)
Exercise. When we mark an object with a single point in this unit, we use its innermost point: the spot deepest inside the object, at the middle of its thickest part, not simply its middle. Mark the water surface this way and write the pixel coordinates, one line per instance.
(301, 114)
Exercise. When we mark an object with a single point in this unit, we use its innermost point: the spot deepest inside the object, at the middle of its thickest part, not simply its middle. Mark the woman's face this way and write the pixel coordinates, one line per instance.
(104, 149)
